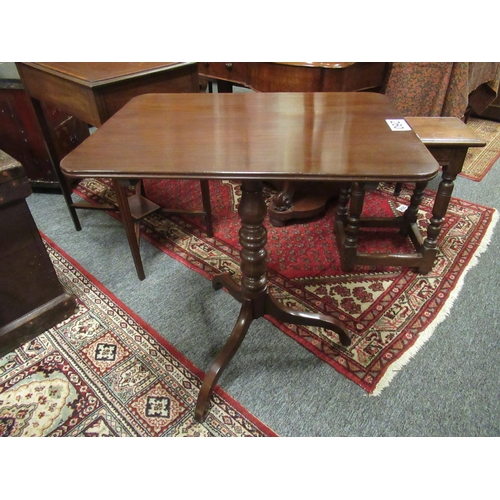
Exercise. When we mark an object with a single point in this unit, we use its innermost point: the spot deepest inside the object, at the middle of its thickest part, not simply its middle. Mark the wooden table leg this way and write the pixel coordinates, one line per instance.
(441, 202)
(207, 207)
(347, 223)
(253, 292)
(131, 230)
(51, 150)
(411, 213)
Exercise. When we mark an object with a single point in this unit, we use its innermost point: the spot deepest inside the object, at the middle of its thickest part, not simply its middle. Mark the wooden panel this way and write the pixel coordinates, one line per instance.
(444, 131)
(68, 96)
(33, 300)
(269, 77)
(94, 74)
(360, 76)
(114, 97)
(298, 77)
(492, 112)
(21, 138)
(232, 72)
(20, 135)
(95, 101)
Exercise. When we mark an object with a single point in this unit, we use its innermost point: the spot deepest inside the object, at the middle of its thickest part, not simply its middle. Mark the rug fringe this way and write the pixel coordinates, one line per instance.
(425, 335)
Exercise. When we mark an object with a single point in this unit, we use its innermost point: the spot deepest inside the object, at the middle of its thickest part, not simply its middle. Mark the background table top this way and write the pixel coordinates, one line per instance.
(93, 74)
(294, 136)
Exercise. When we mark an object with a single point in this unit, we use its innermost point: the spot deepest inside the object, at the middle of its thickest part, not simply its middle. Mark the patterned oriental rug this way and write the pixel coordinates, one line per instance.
(479, 161)
(104, 372)
(391, 312)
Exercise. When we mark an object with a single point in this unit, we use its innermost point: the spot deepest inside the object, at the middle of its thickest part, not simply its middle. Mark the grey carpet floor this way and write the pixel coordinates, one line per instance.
(450, 388)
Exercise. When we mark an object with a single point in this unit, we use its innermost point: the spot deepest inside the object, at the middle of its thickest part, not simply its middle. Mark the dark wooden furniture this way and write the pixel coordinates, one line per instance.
(93, 92)
(297, 200)
(20, 134)
(492, 112)
(254, 137)
(295, 76)
(448, 140)
(31, 298)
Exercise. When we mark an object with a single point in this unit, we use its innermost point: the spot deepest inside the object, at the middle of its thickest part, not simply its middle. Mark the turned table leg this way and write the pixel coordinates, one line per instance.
(253, 292)
(352, 218)
(441, 202)
(411, 213)
(253, 238)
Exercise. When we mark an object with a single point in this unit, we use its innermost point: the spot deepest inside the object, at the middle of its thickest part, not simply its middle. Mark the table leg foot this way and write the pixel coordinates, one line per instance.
(228, 351)
(287, 315)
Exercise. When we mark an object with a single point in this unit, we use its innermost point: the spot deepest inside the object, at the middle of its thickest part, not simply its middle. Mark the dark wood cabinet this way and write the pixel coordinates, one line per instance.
(492, 112)
(32, 299)
(21, 137)
(296, 77)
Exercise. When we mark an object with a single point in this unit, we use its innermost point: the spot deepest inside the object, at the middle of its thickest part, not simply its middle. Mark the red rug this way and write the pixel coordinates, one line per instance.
(104, 372)
(391, 311)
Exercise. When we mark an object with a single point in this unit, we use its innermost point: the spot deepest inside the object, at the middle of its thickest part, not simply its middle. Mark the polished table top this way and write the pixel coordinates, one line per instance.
(296, 136)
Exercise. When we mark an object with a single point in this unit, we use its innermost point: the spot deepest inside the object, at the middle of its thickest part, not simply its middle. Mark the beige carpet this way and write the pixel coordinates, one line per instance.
(480, 160)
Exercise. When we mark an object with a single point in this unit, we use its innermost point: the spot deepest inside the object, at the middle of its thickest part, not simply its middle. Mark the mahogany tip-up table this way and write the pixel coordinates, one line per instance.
(350, 138)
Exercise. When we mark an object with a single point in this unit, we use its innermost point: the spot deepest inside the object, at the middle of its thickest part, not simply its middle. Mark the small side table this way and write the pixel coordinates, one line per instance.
(448, 139)
(93, 92)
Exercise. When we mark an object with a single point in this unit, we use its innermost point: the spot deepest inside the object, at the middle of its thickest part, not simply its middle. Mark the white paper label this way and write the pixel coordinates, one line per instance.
(397, 125)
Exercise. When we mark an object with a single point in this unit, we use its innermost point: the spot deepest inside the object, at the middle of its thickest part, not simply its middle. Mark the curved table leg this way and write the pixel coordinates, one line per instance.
(223, 359)
(288, 315)
(225, 281)
(253, 292)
